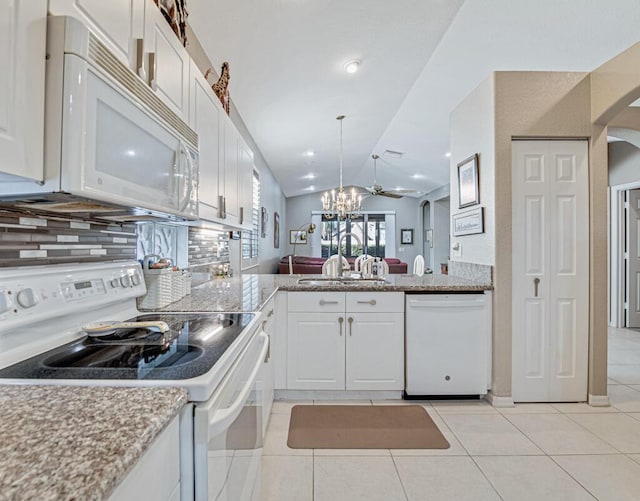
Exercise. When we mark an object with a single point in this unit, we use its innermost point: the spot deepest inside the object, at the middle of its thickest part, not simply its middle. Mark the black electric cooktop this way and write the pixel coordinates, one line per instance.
(190, 348)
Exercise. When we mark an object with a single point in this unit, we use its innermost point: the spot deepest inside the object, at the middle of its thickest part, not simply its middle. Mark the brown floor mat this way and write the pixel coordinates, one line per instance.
(363, 427)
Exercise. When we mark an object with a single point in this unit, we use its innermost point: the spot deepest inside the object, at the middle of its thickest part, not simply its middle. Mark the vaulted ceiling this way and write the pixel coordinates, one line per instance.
(419, 59)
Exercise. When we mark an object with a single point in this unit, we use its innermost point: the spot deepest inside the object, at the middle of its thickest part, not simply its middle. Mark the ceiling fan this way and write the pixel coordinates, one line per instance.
(376, 189)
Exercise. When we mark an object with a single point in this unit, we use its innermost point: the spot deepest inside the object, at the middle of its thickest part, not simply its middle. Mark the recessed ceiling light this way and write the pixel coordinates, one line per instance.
(352, 66)
(309, 153)
(311, 175)
(311, 188)
(418, 176)
(448, 154)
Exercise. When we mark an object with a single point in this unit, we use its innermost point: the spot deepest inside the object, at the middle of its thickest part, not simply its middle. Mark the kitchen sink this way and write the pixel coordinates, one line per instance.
(333, 281)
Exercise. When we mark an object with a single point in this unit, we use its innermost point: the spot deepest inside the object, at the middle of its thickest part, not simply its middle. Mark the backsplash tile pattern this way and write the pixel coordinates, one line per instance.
(208, 247)
(27, 240)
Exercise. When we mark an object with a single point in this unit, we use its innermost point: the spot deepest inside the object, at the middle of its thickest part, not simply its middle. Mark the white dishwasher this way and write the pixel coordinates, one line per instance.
(447, 344)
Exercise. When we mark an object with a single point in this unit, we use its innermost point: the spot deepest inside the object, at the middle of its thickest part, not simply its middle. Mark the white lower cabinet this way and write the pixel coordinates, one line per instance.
(157, 474)
(352, 341)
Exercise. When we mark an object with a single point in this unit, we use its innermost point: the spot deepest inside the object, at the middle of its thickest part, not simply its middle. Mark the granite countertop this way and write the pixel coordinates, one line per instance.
(248, 293)
(70, 443)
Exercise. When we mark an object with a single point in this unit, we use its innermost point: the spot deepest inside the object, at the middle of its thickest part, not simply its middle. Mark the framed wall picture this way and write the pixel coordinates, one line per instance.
(298, 237)
(276, 230)
(468, 183)
(468, 222)
(406, 236)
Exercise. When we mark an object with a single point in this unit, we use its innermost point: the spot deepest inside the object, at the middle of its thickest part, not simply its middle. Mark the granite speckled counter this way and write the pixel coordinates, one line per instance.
(248, 293)
(64, 443)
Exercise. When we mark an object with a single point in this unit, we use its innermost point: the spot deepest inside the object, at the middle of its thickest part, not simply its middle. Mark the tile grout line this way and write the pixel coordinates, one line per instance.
(404, 489)
(572, 477)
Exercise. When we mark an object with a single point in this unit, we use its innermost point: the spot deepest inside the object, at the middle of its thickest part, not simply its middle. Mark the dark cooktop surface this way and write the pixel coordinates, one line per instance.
(190, 348)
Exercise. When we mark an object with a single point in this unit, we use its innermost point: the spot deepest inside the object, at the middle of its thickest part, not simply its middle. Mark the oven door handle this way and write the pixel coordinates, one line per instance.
(222, 419)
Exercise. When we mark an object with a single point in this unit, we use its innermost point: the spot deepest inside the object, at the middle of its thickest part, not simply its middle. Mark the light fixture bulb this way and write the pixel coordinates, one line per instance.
(448, 154)
(352, 66)
(309, 153)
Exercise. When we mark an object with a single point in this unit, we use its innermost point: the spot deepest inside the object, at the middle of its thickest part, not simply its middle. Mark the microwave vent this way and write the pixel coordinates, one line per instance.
(100, 55)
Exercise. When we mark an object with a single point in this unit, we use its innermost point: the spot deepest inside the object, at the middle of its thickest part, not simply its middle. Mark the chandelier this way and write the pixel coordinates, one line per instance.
(342, 205)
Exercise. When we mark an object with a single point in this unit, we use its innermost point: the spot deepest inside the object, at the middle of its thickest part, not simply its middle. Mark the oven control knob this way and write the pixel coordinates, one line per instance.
(26, 298)
(135, 278)
(125, 281)
(115, 283)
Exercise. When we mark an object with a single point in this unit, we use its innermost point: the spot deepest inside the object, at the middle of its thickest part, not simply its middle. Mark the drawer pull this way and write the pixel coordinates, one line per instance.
(371, 302)
(341, 320)
(350, 326)
(323, 302)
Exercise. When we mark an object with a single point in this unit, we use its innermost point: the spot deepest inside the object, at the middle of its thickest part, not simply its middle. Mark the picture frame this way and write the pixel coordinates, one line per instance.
(298, 237)
(264, 216)
(276, 230)
(468, 182)
(406, 236)
(469, 222)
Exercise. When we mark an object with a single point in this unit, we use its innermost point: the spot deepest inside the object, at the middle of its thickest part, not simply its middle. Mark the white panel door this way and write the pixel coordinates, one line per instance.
(205, 113)
(375, 351)
(168, 61)
(117, 22)
(633, 259)
(231, 170)
(315, 351)
(550, 237)
(23, 31)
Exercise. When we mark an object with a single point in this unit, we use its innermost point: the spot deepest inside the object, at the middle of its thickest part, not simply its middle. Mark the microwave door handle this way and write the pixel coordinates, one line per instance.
(182, 204)
(222, 419)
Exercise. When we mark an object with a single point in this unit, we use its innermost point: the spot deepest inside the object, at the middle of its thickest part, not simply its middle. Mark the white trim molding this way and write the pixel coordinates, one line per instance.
(599, 400)
(500, 401)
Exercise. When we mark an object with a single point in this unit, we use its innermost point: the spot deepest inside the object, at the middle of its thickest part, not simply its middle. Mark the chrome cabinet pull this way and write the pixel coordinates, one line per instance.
(140, 70)
(536, 282)
(371, 302)
(350, 326)
(341, 320)
(152, 70)
(270, 314)
(323, 302)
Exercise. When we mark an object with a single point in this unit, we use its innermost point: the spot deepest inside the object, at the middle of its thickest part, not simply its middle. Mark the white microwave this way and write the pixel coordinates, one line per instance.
(112, 147)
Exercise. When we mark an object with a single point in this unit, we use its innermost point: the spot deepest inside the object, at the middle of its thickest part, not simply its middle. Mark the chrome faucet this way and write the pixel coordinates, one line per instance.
(352, 235)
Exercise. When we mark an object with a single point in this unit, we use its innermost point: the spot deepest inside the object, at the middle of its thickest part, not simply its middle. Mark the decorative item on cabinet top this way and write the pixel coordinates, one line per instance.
(221, 86)
(175, 12)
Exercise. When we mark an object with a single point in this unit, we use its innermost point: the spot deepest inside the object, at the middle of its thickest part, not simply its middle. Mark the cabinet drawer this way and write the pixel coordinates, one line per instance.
(387, 302)
(317, 302)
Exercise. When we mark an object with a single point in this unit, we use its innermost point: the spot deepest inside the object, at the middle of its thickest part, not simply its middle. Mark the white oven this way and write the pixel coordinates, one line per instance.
(108, 139)
(228, 432)
(217, 357)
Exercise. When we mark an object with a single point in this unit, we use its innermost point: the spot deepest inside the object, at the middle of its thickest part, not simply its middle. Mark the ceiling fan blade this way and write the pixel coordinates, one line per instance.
(389, 194)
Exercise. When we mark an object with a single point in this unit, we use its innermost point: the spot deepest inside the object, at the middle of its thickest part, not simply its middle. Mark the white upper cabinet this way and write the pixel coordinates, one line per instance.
(22, 63)
(118, 23)
(166, 60)
(231, 181)
(205, 116)
(245, 175)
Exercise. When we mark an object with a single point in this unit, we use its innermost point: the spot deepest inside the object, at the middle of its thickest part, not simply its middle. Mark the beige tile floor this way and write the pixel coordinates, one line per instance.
(530, 452)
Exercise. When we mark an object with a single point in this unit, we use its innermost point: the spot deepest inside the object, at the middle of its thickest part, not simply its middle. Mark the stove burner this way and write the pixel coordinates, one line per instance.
(123, 335)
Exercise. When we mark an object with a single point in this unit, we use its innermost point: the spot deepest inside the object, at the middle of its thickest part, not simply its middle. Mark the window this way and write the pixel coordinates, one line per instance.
(370, 229)
(250, 238)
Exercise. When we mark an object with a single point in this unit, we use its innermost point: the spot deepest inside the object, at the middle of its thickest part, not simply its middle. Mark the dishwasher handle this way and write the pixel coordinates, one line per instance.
(223, 418)
(427, 304)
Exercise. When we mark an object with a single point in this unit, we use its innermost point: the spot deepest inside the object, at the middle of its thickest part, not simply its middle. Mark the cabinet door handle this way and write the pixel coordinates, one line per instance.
(536, 282)
(241, 215)
(350, 326)
(140, 70)
(152, 70)
(371, 302)
(341, 320)
(270, 314)
(322, 302)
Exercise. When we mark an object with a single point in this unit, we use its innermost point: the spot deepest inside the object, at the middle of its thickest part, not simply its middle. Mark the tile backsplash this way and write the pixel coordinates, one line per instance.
(27, 240)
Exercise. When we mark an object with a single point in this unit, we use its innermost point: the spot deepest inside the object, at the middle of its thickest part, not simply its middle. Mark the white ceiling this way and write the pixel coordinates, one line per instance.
(420, 58)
